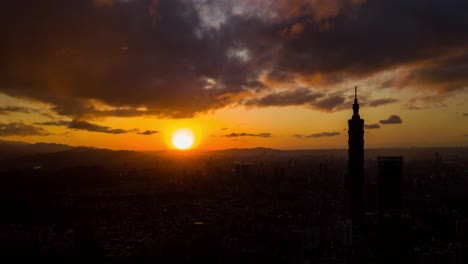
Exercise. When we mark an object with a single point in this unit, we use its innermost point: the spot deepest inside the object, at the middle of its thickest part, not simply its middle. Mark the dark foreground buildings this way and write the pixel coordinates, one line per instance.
(393, 233)
(390, 186)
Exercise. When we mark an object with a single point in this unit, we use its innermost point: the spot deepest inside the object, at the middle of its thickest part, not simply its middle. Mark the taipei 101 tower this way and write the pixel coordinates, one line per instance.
(356, 164)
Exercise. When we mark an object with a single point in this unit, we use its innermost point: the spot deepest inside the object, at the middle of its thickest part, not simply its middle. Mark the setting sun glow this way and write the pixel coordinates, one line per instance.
(183, 139)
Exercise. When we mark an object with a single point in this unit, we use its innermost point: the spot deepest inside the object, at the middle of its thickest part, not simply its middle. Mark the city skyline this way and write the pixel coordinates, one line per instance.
(240, 74)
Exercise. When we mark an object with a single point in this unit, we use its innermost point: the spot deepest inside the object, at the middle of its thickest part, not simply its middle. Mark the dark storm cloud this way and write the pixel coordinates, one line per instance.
(318, 135)
(465, 114)
(77, 56)
(371, 126)
(376, 36)
(21, 129)
(263, 135)
(444, 75)
(393, 119)
(148, 132)
(176, 58)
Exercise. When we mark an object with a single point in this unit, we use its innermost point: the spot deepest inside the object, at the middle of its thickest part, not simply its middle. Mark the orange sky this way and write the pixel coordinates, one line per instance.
(431, 127)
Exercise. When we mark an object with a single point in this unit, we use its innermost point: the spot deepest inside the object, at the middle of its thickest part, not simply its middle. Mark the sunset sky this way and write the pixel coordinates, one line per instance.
(125, 74)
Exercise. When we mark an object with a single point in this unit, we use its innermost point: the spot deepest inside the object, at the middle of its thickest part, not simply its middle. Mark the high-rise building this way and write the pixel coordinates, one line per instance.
(356, 164)
(390, 186)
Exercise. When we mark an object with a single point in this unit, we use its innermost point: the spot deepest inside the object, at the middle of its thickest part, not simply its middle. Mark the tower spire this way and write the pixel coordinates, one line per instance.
(355, 105)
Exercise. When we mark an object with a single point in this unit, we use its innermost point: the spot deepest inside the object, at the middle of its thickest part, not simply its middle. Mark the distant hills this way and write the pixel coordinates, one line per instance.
(12, 149)
(21, 155)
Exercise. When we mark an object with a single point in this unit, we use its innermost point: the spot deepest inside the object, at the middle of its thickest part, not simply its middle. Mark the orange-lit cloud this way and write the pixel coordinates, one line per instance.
(21, 129)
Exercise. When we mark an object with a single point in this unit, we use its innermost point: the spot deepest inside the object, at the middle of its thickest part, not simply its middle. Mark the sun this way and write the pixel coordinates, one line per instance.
(183, 138)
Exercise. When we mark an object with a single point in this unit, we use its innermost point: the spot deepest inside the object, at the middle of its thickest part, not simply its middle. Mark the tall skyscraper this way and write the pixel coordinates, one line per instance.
(356, 164)
(390, 187)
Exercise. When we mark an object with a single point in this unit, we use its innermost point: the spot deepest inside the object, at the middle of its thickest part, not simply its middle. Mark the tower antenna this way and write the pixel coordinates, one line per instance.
(355, 92)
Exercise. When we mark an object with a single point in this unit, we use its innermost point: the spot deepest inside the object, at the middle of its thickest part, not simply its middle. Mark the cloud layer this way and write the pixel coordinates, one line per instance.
(263, 135)
(15, 109)
(83, 125)
(372, 126)
(393, 119)
(318, 135)
(87, 126)
(148, 132)
(21, 129)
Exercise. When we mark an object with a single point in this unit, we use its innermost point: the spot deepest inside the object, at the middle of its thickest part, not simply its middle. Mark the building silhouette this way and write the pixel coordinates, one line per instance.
(394, 232)
(241, 170)
(356, 164)
(390, 186)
